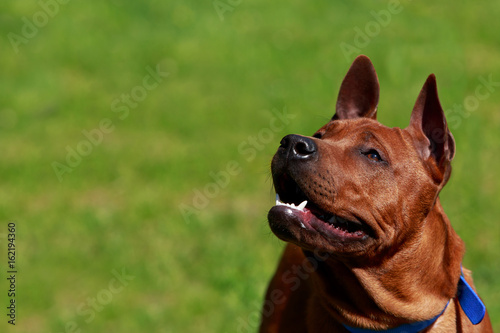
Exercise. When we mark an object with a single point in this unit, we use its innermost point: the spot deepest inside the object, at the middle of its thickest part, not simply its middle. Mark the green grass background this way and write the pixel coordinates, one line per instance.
(119, 208)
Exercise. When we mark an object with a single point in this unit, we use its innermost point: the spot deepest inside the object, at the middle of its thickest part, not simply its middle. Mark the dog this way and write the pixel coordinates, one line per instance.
(369, 247)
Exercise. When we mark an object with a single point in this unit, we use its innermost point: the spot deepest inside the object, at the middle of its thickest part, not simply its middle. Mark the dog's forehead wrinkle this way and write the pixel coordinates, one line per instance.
(351, 131)
(369, 137)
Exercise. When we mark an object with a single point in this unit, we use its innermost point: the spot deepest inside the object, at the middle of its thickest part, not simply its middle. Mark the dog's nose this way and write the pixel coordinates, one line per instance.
(299, 147)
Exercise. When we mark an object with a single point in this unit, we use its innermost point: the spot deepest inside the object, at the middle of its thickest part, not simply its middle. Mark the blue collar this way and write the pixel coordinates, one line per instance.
(470, 302)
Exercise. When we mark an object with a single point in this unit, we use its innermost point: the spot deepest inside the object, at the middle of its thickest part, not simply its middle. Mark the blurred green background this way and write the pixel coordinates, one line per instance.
(136, 139)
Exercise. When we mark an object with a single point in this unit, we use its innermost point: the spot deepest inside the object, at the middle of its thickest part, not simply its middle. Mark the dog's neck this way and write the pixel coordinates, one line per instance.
(413, 285)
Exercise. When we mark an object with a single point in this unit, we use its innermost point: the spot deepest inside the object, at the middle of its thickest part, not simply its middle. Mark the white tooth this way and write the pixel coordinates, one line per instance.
(291, 205)
(302, 205)
(302, 225)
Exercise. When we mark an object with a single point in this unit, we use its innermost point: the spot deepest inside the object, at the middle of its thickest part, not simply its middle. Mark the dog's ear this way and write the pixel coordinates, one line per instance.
(428, 126)
(359, 92)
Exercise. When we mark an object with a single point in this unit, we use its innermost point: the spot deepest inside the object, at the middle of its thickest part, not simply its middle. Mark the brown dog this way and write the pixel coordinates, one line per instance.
(370, 247)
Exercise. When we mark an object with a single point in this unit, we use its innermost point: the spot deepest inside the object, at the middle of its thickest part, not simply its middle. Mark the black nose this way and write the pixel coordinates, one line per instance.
(299, 147)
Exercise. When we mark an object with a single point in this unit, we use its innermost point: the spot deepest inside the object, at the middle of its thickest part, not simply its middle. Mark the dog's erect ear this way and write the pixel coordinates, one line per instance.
(428, 118)
(359, 92)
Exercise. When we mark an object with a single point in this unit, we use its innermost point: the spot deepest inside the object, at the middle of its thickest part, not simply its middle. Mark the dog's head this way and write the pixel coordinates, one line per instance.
(356, 186)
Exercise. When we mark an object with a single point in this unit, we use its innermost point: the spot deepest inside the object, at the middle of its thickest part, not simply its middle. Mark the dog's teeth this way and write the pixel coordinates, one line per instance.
(278, 201)
(302, 205)
(302, 225)
(292, 205)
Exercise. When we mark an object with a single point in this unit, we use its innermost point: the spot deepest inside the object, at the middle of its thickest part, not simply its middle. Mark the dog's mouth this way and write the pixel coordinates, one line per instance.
(296, 209)
(338, 225)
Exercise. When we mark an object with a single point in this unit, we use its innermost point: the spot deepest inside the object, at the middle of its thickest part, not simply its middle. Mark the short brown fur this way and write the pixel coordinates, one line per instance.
(403, 262)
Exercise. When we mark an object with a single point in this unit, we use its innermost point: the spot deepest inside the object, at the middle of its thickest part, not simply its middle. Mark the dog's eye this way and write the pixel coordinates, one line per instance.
(374, 155)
